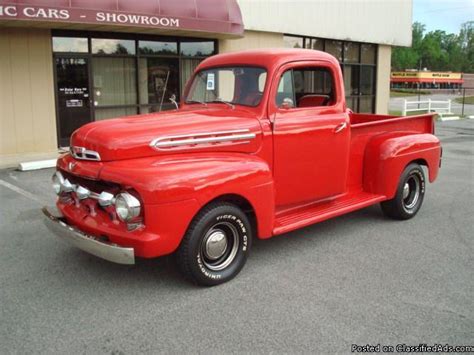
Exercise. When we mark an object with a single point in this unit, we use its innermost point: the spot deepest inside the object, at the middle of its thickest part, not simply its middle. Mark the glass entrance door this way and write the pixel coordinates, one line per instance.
(73, 99)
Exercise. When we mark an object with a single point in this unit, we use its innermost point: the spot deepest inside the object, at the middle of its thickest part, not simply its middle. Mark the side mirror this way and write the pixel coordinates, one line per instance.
(287, 103)
(173, 100)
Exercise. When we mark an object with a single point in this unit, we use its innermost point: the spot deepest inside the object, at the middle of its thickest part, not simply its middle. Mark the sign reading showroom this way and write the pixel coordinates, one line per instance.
(83, 15)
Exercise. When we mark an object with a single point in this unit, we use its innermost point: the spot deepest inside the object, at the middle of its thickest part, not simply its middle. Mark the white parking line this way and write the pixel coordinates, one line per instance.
(21, 191)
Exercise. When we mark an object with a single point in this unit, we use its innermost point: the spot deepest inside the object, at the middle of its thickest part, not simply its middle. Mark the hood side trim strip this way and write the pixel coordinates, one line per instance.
(202, 138)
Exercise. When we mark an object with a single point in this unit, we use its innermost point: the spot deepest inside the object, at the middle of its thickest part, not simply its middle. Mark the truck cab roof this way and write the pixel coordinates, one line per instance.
(267, 58)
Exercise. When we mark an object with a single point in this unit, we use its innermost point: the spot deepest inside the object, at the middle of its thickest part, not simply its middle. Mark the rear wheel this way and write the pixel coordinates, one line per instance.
(216, 245)
(409, 196)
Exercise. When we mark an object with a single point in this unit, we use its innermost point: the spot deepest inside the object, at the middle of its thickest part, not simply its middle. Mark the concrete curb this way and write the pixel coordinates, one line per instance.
(36, 165)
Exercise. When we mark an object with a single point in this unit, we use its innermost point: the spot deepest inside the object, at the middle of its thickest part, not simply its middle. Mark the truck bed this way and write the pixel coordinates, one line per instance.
(359, 119)
(366, 126)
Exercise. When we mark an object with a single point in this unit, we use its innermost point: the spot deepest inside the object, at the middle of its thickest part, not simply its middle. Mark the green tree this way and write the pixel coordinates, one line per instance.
(409, 57)
(437, 50)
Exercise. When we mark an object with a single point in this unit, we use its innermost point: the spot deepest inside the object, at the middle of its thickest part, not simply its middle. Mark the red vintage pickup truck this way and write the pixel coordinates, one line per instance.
(262, 144)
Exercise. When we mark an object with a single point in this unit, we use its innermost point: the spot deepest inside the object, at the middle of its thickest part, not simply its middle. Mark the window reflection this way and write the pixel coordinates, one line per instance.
(368, 53)
(159, 80)
(351, 79)
(113, 46)
(70, 44)
(351, 52)
(367, 82)
(334, 48)
(154, 47)
(293, 42)
(197, 49)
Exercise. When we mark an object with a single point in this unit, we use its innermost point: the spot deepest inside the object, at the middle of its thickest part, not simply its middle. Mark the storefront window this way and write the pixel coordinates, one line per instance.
(157, 48)
(351, 52)
(70, 45)
(159, 80)
(130, 75)
(197, 49)
(368, 53)
(293, 42)
(187, 69)
(317, 44)
(114, 81)
(351, 79)
(358, 63)
(113, 46)
(366, 104)
(334, 48)
(367, 80)
(114, 112)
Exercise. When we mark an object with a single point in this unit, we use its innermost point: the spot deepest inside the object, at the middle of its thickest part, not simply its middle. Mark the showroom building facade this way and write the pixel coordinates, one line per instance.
(66, 63)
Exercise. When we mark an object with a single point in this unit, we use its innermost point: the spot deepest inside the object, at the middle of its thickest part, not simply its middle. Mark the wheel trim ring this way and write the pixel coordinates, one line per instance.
(230, 252)
(414, 185)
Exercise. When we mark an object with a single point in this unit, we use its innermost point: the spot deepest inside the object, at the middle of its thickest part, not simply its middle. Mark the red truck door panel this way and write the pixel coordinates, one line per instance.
(311, 143)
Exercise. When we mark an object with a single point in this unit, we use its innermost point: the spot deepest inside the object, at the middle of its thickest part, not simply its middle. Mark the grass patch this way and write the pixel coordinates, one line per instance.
(407, 92)
(399, 113)
(468, 100)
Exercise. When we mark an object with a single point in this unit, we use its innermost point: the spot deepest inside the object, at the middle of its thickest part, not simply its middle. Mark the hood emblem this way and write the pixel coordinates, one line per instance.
(241, 135)
(84, 154)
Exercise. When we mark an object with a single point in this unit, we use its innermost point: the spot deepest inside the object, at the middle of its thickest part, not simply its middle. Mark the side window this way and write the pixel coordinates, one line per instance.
(314, 87)
(285, 88)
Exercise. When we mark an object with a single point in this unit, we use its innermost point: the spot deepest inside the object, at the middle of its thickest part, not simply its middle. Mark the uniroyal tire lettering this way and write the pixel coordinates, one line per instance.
(243, 234)
(204, 270)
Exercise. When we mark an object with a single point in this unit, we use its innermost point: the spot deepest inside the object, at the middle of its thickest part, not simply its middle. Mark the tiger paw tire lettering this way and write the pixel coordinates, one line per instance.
(216, 245)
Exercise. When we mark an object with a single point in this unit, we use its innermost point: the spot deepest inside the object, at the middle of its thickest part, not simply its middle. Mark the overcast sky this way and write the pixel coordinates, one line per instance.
(446, 15)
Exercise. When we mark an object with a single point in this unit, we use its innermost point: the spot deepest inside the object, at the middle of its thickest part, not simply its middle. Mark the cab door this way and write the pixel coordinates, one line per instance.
(311, 133)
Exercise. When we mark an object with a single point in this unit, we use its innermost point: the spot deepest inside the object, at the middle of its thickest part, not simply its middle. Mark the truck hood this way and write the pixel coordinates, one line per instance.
(204, 129)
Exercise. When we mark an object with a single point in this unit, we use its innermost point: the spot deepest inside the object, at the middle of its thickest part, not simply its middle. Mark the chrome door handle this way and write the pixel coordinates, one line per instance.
(340, 127)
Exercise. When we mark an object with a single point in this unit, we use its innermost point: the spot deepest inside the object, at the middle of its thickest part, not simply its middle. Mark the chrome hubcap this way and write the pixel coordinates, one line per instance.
(219, 246)
(411, 192)
(216, 244)
(406, 190)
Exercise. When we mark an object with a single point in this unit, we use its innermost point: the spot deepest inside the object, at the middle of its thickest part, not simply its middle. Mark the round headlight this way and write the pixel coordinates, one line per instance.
(127, 206)
(57, 182)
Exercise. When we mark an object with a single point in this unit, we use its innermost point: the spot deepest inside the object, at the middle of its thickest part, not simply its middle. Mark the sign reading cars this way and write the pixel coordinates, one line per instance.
(19, 12)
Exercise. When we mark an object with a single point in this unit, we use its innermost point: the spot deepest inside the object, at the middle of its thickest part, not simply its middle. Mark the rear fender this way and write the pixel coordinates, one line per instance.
(387, 155)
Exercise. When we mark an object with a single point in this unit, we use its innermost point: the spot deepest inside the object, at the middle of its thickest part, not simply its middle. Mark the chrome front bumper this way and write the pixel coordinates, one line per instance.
(57, 224)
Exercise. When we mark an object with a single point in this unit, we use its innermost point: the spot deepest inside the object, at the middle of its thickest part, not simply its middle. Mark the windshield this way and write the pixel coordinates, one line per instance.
(233, 85)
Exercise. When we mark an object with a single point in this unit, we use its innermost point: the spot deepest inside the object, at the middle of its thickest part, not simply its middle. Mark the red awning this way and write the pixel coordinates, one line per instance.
(213, 16)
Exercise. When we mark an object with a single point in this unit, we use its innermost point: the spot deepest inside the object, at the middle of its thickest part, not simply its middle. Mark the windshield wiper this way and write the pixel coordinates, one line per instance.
(196, 102)
(230, 104)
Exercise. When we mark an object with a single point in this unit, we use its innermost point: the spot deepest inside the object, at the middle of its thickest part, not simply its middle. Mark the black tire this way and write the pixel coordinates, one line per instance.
(409, 196)
(203, 256)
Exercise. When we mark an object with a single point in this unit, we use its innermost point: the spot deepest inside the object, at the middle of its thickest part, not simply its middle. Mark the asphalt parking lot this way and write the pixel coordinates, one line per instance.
(356, 279)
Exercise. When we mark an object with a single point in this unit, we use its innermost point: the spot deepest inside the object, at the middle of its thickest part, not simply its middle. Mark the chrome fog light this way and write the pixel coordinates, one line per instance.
(57, 181)
(127, 206)
(106, 199)
(82, 193)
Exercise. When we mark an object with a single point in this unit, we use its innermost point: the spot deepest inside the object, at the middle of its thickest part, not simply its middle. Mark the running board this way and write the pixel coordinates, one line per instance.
(305, 216)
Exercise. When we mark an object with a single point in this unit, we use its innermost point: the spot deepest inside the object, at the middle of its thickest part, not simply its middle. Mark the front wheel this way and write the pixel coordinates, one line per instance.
(409, 196)
(216, 245)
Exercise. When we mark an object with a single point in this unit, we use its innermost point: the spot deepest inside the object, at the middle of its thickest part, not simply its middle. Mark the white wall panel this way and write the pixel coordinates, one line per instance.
(374, 21)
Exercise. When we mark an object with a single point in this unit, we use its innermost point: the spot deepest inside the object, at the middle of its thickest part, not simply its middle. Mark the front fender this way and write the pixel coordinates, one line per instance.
(387, 155)
(199, 177)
